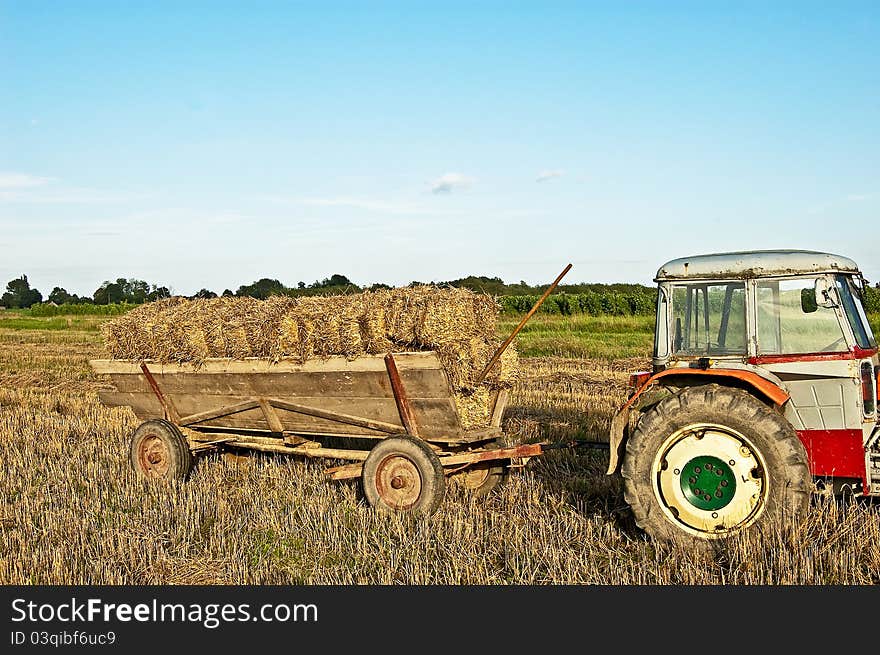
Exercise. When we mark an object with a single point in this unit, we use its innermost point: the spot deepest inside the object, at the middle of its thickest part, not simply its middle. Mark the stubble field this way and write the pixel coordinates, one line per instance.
(72, 511)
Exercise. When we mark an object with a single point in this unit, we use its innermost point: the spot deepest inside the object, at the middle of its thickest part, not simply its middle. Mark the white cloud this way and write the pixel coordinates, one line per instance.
(446, 183)
(21, 181)
(859, 196)
(543, 176)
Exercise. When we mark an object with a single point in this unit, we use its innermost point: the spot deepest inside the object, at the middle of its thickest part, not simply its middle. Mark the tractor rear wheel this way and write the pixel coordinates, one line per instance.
(712, 461)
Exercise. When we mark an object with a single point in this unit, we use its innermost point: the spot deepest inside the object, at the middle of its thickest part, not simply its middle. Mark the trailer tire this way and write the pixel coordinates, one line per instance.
(403, 474)
(482, 479)
(159, 451)
(747, 458)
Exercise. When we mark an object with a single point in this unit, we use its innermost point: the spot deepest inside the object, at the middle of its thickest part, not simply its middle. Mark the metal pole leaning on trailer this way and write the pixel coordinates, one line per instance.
(519, 327)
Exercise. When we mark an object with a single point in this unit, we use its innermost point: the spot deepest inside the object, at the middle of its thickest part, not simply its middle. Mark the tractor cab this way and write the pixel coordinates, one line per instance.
(749, 307)
(764, 387)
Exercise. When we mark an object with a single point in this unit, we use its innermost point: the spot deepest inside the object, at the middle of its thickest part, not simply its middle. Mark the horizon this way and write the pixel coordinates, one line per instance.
(362, 285)
(204, 145)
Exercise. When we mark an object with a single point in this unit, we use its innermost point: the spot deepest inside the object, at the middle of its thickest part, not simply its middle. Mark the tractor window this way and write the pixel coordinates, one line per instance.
(709, 318)
(790, 322)
(855, 312)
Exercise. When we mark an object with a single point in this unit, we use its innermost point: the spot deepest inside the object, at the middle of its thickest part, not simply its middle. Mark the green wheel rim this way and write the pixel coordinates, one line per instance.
(708, 483)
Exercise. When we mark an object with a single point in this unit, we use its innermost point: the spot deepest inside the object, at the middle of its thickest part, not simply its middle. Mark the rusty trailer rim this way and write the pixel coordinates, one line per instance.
(153, 457)
(398, 482)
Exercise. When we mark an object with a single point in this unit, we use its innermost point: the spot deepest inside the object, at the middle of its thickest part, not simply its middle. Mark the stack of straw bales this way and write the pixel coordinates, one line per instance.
(456, 323)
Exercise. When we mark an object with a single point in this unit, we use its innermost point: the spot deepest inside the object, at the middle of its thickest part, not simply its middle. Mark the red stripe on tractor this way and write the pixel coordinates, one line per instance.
(855, 353)
(835, 453)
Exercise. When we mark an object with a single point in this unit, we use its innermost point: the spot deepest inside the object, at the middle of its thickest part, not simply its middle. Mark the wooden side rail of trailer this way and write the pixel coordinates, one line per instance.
(393, 417)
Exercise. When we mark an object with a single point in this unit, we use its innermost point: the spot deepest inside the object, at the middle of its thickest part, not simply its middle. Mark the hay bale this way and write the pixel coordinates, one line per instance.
(474, 408)
(456, 323)
(321, 326)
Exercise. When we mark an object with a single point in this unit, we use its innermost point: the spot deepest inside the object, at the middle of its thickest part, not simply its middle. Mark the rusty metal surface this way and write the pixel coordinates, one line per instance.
(152, 457)
(398, 482)
(519, 455)
(754, 264)
(170, 413)
(407, 416)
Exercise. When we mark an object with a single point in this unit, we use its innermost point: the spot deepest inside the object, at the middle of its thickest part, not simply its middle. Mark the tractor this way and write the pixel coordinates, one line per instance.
(764, 390)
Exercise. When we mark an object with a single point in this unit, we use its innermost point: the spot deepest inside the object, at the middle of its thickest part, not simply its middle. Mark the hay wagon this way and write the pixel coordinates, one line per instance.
(392, 418)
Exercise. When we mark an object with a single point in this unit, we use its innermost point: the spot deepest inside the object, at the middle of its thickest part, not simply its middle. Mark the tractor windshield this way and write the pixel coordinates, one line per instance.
(855, 312)
(709, 318)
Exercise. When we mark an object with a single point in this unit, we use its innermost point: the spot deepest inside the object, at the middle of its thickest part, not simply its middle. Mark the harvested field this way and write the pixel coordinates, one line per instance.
(72, 512)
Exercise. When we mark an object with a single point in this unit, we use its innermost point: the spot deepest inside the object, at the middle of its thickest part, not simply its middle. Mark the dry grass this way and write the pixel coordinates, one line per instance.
(71, 511)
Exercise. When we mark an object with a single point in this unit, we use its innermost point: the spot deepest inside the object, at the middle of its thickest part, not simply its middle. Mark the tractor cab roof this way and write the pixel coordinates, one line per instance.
(754, 264)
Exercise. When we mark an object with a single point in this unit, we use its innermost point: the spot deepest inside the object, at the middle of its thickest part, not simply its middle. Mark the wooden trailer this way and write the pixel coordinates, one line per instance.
(392, 418)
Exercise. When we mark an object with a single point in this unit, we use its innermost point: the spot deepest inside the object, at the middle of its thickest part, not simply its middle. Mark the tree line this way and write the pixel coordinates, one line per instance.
(583, 298)
(19, 293)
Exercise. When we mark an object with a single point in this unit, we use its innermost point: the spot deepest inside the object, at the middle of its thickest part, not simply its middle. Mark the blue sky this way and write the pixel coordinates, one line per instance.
(209, 144)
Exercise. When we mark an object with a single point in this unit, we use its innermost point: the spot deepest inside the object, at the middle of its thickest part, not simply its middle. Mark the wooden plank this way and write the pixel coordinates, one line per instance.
(144, 405)
(334, 453)
(340, 417)
(420, 383)
(272, 419)
(498, 408)
(405, 361)
(272, 441)
(436, 417)
(226, 410)
(483, 434)
(526, 450)
(344, 472)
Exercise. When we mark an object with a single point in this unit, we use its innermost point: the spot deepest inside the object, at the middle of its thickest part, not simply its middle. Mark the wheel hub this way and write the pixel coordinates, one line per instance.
(708, 483)
(153, 456)
(710, 480)
(398, 482)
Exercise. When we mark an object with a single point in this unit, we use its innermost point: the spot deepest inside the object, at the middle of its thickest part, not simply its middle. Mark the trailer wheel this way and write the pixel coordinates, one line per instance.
(159, 451)
(712, 461)
(405, 475)
(482, 479)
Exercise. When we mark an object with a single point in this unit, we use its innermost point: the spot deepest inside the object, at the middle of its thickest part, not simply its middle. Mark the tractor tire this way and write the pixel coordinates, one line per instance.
(403, 474)
(713, 461)
(159, 451)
